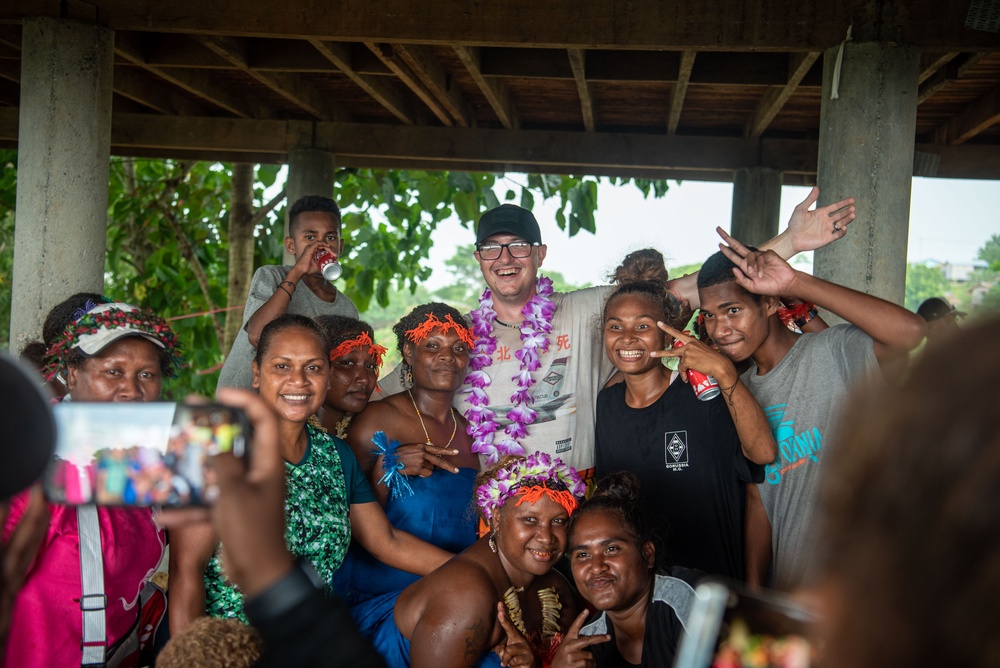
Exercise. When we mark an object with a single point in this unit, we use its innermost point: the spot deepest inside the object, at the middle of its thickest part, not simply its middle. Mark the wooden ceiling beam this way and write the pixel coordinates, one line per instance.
(578, 64)
(776, 96)
(522, 150)
(978, 116)
(954, 69)
(200, 84)
(130, 84)
(679, 91)
(383, 92)
(583, 24)
(494, 90)
(422, 62)
(932, 62)
(293, 88)
(398, 66)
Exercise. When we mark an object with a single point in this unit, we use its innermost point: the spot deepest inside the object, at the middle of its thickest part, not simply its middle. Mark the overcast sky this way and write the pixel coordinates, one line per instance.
(949, 220)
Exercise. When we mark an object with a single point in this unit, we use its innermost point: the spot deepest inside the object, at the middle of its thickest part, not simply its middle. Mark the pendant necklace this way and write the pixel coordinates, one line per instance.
(454, 422)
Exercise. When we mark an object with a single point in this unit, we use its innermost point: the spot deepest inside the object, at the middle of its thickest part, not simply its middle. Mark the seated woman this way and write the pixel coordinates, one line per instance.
(450, 618)
(693, 457)
(106, 352)
(354, 365)
(613, 555)
(433, 503)
(327, 500)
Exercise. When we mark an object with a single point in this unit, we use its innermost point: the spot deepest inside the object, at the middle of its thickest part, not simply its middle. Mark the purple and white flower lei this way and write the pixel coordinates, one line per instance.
(537, 324)
(535, 469)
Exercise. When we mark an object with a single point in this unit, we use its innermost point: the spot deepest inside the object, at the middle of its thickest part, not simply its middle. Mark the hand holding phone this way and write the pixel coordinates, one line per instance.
(141, 454)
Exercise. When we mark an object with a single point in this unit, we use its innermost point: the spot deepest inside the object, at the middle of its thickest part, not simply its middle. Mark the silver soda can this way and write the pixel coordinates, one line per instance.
(705, 387)
(328, 264)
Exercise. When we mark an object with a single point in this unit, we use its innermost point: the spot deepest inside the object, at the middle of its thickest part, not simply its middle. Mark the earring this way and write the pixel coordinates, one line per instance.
(493, 545)
(406, 374)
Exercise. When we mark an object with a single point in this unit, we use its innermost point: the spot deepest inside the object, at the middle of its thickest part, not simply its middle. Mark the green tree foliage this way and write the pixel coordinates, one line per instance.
(922, 282)
(167, 245)
(990, 252)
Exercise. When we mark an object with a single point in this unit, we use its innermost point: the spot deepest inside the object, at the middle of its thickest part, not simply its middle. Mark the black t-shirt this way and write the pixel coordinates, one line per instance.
(688, 457)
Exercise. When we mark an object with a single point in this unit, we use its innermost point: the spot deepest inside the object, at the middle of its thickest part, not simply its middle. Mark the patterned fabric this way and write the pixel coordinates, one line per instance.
(318, 526)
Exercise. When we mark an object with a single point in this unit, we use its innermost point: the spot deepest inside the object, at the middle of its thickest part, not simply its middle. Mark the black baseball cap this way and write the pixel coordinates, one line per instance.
(509, 219)
(27, 425)
(935, 307)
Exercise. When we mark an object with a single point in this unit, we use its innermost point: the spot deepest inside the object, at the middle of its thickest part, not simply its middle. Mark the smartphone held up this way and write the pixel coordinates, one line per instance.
(141, 454)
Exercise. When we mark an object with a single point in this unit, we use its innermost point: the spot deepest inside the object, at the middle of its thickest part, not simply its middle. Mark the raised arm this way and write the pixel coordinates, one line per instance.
(748, 417)
(808, 229)
(399, 549)
(893, 328)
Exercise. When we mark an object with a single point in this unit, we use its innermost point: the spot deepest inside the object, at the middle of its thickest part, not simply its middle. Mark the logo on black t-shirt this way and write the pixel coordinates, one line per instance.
(676, 455)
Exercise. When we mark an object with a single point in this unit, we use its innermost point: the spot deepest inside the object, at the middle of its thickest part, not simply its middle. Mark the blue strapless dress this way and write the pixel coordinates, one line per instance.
(377, 622)
(439, 511)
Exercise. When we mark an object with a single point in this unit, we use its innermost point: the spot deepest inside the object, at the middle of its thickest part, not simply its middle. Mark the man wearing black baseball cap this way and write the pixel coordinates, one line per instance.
(941, 316)
(539, 360)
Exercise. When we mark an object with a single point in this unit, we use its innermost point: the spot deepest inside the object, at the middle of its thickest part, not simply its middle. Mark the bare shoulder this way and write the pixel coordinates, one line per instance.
(460, 589)
(451, 616)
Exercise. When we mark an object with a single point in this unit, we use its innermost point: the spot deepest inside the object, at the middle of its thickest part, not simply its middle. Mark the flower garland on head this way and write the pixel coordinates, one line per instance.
(537, 324)
(96, 329)
(432, 322)
(360, 341)
(531, 478)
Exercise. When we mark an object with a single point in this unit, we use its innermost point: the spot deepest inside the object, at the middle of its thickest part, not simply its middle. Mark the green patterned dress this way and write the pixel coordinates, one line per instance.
(318, 526)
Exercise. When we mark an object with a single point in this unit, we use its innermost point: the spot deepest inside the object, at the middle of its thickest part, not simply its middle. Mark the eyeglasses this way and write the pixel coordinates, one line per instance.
(515, 248)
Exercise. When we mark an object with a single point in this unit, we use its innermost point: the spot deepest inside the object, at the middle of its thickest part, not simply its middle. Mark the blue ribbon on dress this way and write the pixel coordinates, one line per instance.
(392, 469)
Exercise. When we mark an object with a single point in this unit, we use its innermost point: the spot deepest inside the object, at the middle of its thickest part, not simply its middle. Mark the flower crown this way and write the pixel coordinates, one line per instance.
(360, 341)
(103, 324)
(431, 322)
(539, 470)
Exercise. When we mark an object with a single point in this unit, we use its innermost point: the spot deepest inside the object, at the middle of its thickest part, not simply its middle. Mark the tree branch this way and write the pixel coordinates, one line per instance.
(266, 209)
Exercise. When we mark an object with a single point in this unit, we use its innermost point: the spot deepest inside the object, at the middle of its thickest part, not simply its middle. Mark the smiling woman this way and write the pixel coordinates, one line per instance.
(328, 500)
(450, 618)
(693, 457)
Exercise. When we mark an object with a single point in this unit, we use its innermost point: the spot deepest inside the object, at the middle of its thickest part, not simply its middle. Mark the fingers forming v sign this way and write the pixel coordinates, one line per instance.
(515, 652)
(573, 652)
(760, 272)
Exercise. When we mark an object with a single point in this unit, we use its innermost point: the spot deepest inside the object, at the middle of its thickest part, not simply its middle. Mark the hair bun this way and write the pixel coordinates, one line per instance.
(641, 265)
(622, 487)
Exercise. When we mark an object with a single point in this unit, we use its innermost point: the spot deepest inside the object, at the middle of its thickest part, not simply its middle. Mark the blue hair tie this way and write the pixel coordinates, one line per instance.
(392, 469)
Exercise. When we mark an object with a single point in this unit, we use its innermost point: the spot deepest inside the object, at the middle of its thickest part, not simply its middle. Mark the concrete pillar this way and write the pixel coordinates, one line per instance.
(64, 146)
(866, 151)
(310, 172)
(756, 204)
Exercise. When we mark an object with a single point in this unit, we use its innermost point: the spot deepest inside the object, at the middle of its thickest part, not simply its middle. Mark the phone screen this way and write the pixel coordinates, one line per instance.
(140, 454)
(736, 628)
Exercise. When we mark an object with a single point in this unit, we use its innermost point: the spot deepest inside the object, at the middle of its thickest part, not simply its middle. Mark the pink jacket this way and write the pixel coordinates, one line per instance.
(46, 623)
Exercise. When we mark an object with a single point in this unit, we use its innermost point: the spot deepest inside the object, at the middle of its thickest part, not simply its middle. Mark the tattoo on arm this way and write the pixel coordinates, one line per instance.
(476, 639)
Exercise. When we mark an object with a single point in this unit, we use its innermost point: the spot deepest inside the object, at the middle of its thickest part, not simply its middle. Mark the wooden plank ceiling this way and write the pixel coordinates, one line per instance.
(662, 88)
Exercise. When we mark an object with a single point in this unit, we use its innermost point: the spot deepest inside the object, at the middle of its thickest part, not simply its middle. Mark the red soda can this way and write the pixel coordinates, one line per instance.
(328, 264)
(705, 387)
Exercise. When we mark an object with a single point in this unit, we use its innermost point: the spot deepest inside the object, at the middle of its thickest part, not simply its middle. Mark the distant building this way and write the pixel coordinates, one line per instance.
(960, 272)
(979, 291)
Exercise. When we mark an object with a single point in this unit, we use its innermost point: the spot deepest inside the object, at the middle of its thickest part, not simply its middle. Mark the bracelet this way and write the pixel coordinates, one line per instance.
(287, 283)
(282, 287)
(392, 469)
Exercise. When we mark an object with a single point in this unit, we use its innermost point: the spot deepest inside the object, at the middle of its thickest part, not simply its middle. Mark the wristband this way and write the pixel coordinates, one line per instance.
(285, 290)
(299, 584)
(287, 283)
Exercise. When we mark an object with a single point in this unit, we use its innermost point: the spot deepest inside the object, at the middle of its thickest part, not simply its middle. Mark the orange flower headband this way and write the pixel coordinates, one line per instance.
(420, 332)
(360, 341)
(533, 494)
